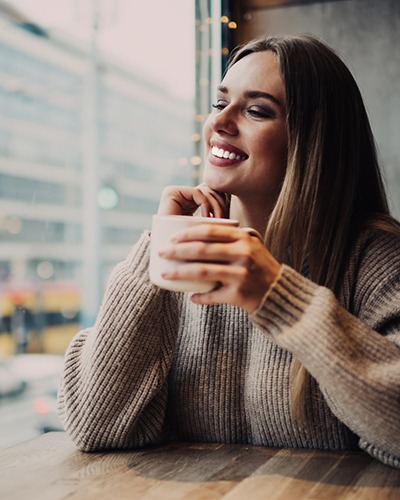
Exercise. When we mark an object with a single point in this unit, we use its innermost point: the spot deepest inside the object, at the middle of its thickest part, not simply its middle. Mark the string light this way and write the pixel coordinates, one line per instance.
(205, 55)
(196, 137)
(195, 160)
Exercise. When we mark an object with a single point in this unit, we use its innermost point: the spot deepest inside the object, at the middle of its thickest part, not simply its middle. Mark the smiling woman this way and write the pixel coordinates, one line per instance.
(249, 120)
(297, 344)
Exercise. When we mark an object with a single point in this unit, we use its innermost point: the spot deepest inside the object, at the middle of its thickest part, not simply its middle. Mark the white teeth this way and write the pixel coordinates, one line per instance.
(221, 153)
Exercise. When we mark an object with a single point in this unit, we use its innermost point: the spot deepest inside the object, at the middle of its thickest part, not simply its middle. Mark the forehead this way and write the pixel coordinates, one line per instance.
(257, 71)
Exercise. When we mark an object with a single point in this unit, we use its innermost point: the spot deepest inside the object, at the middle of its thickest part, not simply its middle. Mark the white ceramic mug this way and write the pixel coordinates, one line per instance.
(163, 227)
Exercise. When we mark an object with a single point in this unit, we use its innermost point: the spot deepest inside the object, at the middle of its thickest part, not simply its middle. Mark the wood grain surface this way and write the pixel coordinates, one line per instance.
(50, 467)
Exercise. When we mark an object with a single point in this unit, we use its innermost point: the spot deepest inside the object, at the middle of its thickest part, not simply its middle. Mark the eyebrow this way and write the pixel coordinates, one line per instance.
(252, 94)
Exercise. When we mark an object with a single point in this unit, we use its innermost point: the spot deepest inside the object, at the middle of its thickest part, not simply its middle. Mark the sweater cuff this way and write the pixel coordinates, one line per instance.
(380, 455)
(285, 303)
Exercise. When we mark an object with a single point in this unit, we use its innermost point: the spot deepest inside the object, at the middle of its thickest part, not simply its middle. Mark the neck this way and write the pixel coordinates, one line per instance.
(250, 213)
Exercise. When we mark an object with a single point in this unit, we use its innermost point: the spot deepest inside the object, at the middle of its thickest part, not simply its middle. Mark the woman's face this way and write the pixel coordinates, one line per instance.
(245, 135)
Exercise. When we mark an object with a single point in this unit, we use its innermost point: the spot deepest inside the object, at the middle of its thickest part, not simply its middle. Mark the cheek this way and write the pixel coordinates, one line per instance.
(274, 154)
(276, 147)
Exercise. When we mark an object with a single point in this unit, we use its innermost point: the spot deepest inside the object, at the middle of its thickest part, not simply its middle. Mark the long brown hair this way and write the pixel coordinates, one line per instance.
(333, 185)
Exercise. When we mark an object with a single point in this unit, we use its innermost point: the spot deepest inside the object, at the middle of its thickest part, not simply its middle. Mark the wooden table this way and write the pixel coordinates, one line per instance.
(50, 467)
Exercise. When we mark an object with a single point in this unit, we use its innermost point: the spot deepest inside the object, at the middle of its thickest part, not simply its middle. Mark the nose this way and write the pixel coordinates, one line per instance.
(224, 121)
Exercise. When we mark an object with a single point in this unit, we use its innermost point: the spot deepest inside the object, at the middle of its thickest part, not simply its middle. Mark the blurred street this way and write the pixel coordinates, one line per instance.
(54, 340)
(19, 420)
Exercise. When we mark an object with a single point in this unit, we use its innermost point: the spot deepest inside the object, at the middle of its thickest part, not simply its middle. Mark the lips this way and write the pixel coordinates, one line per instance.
(225, 151)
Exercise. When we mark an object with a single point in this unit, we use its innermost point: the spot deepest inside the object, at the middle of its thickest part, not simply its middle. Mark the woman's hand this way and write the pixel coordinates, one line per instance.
(234, 258)
(185, 200)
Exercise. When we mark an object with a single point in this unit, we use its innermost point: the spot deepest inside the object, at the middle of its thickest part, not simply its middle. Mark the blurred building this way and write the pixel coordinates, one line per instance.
(143, 142)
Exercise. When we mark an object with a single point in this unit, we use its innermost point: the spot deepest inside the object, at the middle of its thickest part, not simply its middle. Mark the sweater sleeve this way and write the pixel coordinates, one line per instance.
(354, 358)
(113, 390)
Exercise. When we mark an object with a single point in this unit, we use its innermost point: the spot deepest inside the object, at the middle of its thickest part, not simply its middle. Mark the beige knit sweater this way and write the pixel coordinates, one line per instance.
(156, 366)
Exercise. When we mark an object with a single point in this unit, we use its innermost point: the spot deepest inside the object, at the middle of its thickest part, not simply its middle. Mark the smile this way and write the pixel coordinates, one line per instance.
(222, 153)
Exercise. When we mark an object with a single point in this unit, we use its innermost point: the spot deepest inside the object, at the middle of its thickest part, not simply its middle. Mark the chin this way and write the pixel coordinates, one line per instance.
(216, 184)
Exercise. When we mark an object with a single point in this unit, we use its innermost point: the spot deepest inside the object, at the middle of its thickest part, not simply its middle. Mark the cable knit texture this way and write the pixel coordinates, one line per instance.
(156, 366)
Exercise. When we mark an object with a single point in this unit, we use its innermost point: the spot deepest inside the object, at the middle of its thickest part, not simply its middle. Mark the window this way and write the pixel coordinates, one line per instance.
(89, 136)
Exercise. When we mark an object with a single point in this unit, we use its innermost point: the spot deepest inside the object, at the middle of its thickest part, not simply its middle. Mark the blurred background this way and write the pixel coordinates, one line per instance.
(101, 105)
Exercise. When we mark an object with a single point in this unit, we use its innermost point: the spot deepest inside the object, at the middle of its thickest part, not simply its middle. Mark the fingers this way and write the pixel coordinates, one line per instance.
(212, 243)
(253, 232)
(222, 206)
(232, 257)
(206, 271)
(237, 285)
(208, 233)
(196, 252)
(186, 200)
(176, 200)
(242, 286)
(210, 205)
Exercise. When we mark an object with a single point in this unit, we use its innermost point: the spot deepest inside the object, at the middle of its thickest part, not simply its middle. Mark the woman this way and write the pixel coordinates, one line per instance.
(299, 344)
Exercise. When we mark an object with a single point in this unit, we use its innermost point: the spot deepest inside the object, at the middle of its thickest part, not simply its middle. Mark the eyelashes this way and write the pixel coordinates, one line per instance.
(254, 111)
(218, 106)
(261, 112)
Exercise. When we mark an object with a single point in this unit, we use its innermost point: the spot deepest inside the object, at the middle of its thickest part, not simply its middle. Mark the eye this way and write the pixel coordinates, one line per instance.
(219, 105)
(261, 112)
